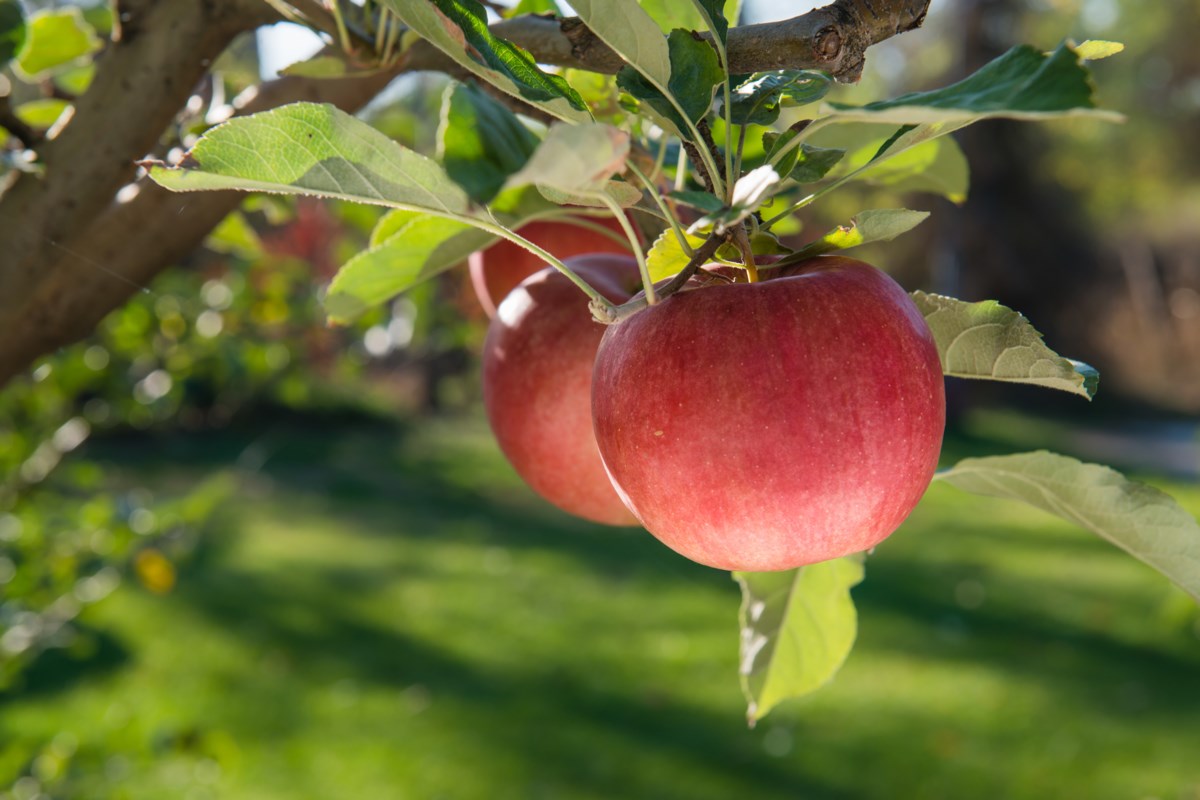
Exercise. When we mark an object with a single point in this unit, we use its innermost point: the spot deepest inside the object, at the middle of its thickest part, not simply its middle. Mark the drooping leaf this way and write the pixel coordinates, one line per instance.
(876, 225)
(1096, 49)
(798, 627)
(407, 247)
(12, 30)
(481, 142)
(631, 33)
(419, 247)
(54, 40)
(909, 158)
(577, 159)
(459, 29)
(309, 148)
(990, 341)
(1141, 520)
(695, 74)
(667, 256)
(758, 100)
(1024, 83)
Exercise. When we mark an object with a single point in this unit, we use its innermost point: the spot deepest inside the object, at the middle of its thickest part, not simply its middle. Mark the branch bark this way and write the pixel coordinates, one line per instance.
(833, 38)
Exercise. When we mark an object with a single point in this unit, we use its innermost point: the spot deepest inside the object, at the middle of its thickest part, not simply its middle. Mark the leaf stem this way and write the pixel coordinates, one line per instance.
(662, 205)
(635, 245)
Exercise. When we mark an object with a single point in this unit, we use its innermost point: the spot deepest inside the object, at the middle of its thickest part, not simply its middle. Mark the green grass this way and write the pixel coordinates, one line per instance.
(388, 613)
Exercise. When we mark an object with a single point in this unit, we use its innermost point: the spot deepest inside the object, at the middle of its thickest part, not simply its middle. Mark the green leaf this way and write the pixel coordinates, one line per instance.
(1024, 83)
(695, 74)
(798, 627)
(758, 100)
(804, 164)
(417, 248)
(459, 29)
(631, 33)
(1139, 519)
(53, 40)
(672, 14)
(713, 14)
(307, 148)
(989, 341)
(705, 201)
(877, 225)
(12, 30)
(481, 142)
(911, 158)
(667, 256)
(1096, 49)
(577, 159)
(41, 113)
(624, 194)
(534, 7)
(234, 235)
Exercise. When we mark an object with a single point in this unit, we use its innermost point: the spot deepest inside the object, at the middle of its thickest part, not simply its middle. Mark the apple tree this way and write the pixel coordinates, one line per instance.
(766, 407)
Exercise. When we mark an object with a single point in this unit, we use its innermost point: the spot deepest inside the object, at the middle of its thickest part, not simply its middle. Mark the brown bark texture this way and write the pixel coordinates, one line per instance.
(70, 251)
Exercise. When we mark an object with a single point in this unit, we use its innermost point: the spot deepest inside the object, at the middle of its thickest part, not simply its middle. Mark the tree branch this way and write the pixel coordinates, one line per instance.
(98, 269)
(833, 38)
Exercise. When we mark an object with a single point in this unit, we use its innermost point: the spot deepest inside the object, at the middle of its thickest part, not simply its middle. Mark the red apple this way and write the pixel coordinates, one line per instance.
(770, 425)
(537, 383)
(499, 268)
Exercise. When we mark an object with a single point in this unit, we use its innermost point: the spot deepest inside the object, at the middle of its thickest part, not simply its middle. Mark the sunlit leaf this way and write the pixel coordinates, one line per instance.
(990, 341)
(459, 28)
(1137, 518)
(42, 113)
(1096, 49)
(631, 33)
(797, 628)
(672, 14)
(306, 148)
(419, 247)
(575, 158)
(234, 235)
(876, 225)
(667, 256)
(54, 39)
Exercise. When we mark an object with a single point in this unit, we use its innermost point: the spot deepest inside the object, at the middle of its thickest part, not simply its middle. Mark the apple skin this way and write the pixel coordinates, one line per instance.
(766, 426)
(498, 269)
(537, 378)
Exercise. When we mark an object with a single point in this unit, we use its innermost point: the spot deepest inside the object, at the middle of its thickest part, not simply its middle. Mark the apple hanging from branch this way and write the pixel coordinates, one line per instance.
(770, 425)
(537, 377)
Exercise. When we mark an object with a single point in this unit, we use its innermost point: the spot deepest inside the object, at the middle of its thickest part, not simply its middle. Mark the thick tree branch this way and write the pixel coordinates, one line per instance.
(131, 242)
(160, 50)
(833, 38)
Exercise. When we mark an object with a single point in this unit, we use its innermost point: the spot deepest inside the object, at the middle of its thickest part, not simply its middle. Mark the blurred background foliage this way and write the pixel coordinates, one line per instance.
(243, 554)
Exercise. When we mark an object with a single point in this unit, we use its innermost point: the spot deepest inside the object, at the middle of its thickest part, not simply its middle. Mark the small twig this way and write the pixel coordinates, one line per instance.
(611, 316)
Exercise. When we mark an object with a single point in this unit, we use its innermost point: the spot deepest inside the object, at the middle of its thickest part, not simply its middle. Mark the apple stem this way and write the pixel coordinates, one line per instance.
(742, 240)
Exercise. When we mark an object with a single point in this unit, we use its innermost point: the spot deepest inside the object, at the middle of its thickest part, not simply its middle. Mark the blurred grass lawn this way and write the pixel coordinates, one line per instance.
(387, 613)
